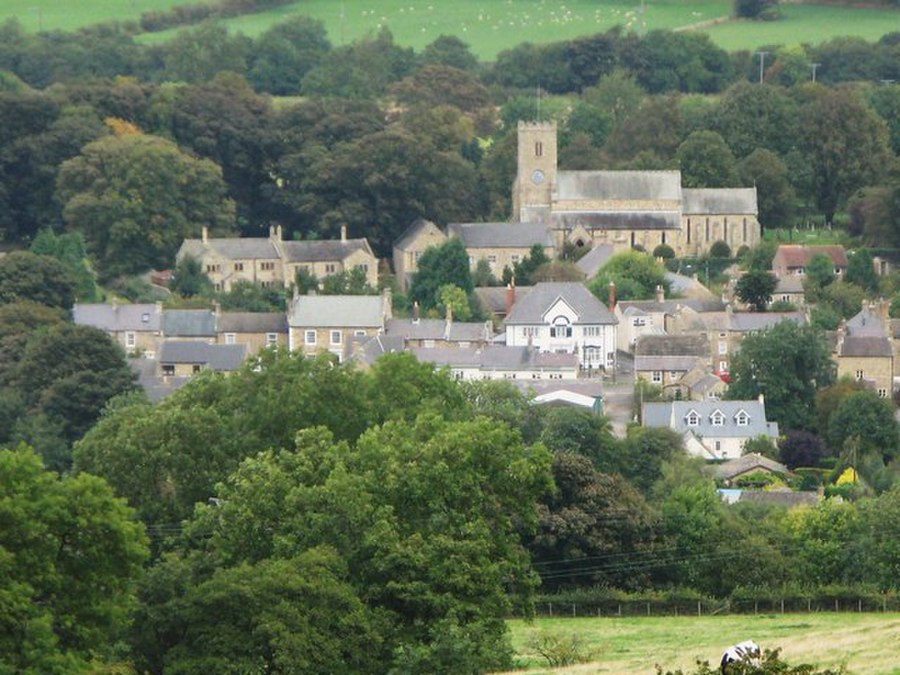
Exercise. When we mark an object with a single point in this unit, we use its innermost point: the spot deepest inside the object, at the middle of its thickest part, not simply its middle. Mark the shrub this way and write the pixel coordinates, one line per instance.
(720, 250)
(664, 251)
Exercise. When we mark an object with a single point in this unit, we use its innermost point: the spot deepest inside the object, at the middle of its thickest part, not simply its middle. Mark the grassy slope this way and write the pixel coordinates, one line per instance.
(490, 26)
(869, 644)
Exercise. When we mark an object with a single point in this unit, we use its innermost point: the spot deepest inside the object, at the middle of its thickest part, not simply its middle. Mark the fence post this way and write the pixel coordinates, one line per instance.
(836, 605)
(620, 609)
(550, 607)
(756, 606)
(573, 610)
(648, 609)
(782, 605)
(859, 605)
(699, 612)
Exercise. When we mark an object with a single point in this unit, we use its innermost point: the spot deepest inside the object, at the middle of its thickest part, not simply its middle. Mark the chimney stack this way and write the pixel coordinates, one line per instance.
(612, 295)
(415, 316)
(510, 295)
(343, 233)
(278, 233)
(660, 293)
(204, 234)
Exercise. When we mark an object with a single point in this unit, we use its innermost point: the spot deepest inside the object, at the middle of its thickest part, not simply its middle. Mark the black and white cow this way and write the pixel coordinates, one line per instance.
(747, 652)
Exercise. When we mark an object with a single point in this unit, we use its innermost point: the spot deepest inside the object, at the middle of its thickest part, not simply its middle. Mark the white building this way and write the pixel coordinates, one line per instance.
(564, 317)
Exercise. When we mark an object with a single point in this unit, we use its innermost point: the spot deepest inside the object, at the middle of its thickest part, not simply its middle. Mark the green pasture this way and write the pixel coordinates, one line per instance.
(68, 15)
(490, 26)
(867, 644)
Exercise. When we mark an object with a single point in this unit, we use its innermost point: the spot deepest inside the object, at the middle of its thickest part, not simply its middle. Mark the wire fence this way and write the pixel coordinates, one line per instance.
(789, 605)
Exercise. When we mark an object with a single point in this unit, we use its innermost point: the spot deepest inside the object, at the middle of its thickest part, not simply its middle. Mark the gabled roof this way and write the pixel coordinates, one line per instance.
(673, 415)
(617, 220)
(369, 348)
(667, 363)
(337, 311)
(619, 185)
(215, 357)
(252, 322)
(787, 498)
(869, 346)
(415, 228)
(493, 298)
(672, 345)
(502, 235)
(594, 260)
(748, 462)
(866, 323)
(799, 255)
(748, 321)
(232, 248)
(673, 306)
(713, 201)
(530, 310)
(116, 318)
(437, 329)
(322, 251)
(189, 323)
(789, 284)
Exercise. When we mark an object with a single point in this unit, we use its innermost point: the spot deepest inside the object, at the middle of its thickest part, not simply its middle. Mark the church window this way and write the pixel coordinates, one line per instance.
(538, 149)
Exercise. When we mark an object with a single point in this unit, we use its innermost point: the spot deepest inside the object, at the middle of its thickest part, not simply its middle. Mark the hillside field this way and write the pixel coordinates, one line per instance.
(867, 644)
(490, 26)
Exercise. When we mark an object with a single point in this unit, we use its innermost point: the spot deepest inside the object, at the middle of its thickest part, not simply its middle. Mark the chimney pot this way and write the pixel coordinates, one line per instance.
(613, 299)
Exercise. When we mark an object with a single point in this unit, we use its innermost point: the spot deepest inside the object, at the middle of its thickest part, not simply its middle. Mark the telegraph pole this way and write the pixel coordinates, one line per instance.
(814, 66)
(762, 61)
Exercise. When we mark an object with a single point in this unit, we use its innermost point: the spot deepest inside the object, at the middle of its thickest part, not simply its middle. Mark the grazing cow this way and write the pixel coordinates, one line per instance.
(747, 652)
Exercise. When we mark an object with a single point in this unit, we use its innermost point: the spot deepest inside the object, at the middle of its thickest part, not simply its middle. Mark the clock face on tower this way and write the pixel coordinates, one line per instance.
(537, 177)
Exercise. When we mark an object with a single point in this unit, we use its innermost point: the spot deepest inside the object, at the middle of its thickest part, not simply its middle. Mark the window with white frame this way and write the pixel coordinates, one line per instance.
(882, 393)
(130, 340)
(723, 347)
(656, 377)
(859, 374)
(529, 331)
(717, 418)
(359, 333)
(723, 366)
(692, 419)
(561, 328)
(271, 339)
(638, 321)
(230, 338)
(742, 419)
(592, 331)
(310, 337)
(336, 337)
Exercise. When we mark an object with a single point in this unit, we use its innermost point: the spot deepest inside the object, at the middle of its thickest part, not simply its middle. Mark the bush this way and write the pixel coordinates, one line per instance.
(664, 251)
(559, 650)
(720, 250)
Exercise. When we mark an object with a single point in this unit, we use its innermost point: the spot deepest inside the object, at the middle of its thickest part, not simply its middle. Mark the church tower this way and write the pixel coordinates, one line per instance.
(536, 174)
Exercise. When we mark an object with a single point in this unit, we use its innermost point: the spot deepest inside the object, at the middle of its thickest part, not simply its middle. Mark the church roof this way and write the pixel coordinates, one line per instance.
(619, 185)
(617, 220)
(713, 201)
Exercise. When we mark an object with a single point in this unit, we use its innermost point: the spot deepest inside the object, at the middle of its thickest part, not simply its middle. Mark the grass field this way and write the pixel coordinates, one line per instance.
(490, 26)
(868, 644)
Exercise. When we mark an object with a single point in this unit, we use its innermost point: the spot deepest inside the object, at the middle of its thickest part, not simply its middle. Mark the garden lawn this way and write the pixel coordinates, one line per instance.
(868, 644)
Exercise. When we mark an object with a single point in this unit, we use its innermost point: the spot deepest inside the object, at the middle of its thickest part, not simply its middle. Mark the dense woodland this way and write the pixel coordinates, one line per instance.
(302, 516)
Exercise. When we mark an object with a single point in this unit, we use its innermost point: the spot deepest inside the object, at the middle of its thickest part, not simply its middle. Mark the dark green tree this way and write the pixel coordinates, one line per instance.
(449, 50)
(867, 418)
(69, 249)
(787, 364)
(635, 274)
(775, 196)
(706, 161)
(282, 55)
(861, 270)
(190, 280)
(438, 266)
(755, 288)
(26, 276)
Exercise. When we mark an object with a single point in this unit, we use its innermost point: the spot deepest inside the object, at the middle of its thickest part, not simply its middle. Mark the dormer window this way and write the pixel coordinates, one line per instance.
(717, 418)
(692, 418)
(742, 419)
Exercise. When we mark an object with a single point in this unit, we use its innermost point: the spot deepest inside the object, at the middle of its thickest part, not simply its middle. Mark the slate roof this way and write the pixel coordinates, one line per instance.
(530, 310)
(672, 345)
(117, 318)
(866, 322)
(748, 462)
(436, 329)
(712, 201)
(689, 287)
(748, 321)
(700, 305)
(216, 357)
(673, 415)
(322, 251)
(368, 349)
(496, 358)
(870, 346)
(787, 498)
(189, 323)
(493, 298)
(791, 283)
(232, 248)
(502, 235)
(337, 311)
(668, 363)
(252, 322)
(619, 185)
(594, 260)
(156, 387)
(617, 220)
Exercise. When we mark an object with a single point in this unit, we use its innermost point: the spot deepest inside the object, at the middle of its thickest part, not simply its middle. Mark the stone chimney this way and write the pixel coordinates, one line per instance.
(278, 233)
(660, 293)
(387, 304)
(448, 322)
(415, 312)
(204, 234)
(343, 233)
(510, 295)
(613, 298)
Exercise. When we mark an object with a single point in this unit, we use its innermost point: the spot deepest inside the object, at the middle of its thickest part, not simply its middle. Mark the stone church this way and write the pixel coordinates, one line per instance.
(625, 209)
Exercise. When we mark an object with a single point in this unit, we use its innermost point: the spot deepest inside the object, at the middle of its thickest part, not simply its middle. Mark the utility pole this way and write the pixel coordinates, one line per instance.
(814, 66)
(762, 61)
